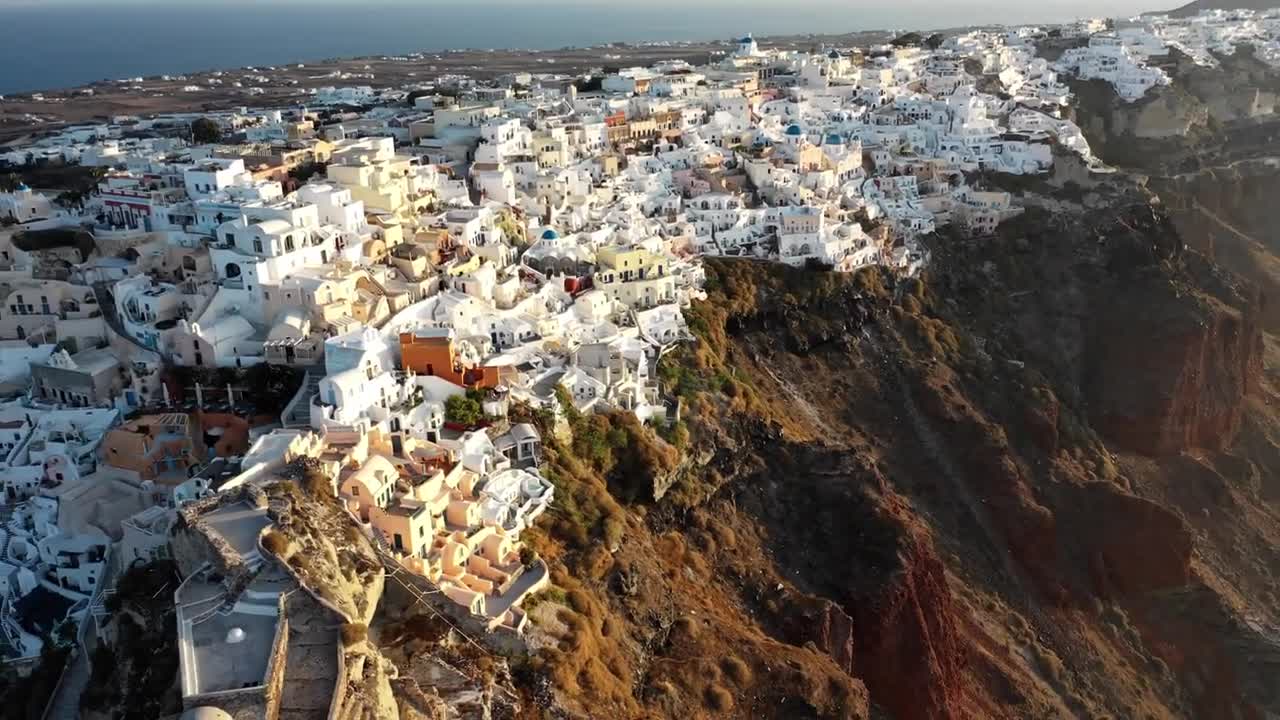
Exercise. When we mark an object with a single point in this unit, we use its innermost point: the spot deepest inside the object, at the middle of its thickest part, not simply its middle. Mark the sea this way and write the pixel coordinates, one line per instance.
(51, 44)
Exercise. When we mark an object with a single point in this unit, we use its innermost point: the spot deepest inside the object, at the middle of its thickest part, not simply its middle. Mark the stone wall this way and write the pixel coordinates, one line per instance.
(275, 670)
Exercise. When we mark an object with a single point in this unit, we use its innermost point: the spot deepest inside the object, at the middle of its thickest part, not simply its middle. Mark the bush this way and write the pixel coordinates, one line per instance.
(527, 555)
(205, 131)
(736, 670)
(463, 410)
(613, 531)
(718, 699)
(275, 543)
(317, 483)
(354, 634)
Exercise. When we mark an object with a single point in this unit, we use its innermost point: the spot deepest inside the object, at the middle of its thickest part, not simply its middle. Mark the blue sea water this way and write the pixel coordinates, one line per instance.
(63, 43)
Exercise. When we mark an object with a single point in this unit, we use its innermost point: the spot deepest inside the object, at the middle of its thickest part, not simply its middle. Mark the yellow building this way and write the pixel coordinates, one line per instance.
(634, 277)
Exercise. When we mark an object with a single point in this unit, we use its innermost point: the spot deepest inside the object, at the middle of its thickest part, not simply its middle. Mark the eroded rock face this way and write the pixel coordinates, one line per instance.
(1172, 362)
(884, 613)
(1132, 545)
(909, 652)
(823, 623)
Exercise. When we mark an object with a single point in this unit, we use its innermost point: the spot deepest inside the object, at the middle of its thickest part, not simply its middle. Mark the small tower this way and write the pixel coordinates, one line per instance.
(747, 46)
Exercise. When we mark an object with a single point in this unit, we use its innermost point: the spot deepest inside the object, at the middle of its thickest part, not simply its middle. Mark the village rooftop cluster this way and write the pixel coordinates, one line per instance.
(369, 284)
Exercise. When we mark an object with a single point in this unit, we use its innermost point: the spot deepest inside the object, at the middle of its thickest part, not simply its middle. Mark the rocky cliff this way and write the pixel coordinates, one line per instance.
(1017, 487)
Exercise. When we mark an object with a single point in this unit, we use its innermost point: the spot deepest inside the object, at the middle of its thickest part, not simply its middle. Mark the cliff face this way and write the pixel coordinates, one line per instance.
(1176, 376)
(1038, 482)
(1207, 116)
(962, 496)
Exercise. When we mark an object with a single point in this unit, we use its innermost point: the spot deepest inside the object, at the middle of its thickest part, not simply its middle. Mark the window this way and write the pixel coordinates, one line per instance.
(257, 245)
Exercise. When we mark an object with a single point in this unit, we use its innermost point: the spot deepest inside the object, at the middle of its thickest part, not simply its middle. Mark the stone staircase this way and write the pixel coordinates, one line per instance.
(298, 412)
(253, 560)
(311, 671)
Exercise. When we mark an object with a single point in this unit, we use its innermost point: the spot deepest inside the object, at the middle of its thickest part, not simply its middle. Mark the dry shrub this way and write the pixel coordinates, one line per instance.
(684, 626)
(1050, 664)
(696, 562)
(663, 691)
(725, 535)
(614, 528)
(736, 670)
(595, 563)
(671, 548)
(718, 699)
(354, 633)
(317, 483)
(581, 602)
(275, 543)
(708, 672)
(354, 535)
(619, 669)
(929, 334)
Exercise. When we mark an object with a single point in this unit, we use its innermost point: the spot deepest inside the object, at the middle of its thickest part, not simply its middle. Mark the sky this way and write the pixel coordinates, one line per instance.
(1114, 7)
(1054, 9)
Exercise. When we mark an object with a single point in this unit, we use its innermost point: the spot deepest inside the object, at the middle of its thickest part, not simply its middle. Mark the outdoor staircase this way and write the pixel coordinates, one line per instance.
(253, 560)
(298, 412)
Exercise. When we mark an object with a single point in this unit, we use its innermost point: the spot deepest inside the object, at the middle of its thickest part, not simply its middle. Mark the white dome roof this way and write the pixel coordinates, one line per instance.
(206, 712)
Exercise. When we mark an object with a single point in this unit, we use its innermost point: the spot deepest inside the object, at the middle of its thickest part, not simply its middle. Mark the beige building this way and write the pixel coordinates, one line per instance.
(633, 276)
(39, 308)
(450, 512)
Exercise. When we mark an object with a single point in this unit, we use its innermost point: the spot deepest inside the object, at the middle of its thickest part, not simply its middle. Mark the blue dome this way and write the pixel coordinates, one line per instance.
(794, 130)
(22, 187)
(550, 234)
(747, 40)
(834, 139)
(834, 54)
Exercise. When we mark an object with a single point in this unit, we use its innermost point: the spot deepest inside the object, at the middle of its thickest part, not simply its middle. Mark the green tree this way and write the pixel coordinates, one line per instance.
(70, 199)
(911, 39)
(205, 131)
(463, 410)
(935, 41)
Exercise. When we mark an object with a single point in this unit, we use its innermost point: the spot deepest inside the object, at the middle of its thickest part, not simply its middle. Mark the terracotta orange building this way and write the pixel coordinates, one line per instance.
(432, 351)
(156, 447)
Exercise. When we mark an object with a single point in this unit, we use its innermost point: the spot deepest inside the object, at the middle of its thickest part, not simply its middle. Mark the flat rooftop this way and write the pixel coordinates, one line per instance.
(239, 524)
(222, 665)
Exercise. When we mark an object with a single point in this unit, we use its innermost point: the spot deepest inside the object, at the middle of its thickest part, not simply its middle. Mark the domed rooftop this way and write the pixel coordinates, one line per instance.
(746, 40)
(834, 54)
(550, 234)
(206, 712)
(22, 187)
(835, 139)
(794, 130)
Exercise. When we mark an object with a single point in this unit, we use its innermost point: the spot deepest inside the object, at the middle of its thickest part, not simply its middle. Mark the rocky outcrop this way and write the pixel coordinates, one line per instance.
(823, 623)
(1205, 114)
(1227, 663)
(1227, 213)
(1171, 365)
(909, 647)
(1132, 545)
